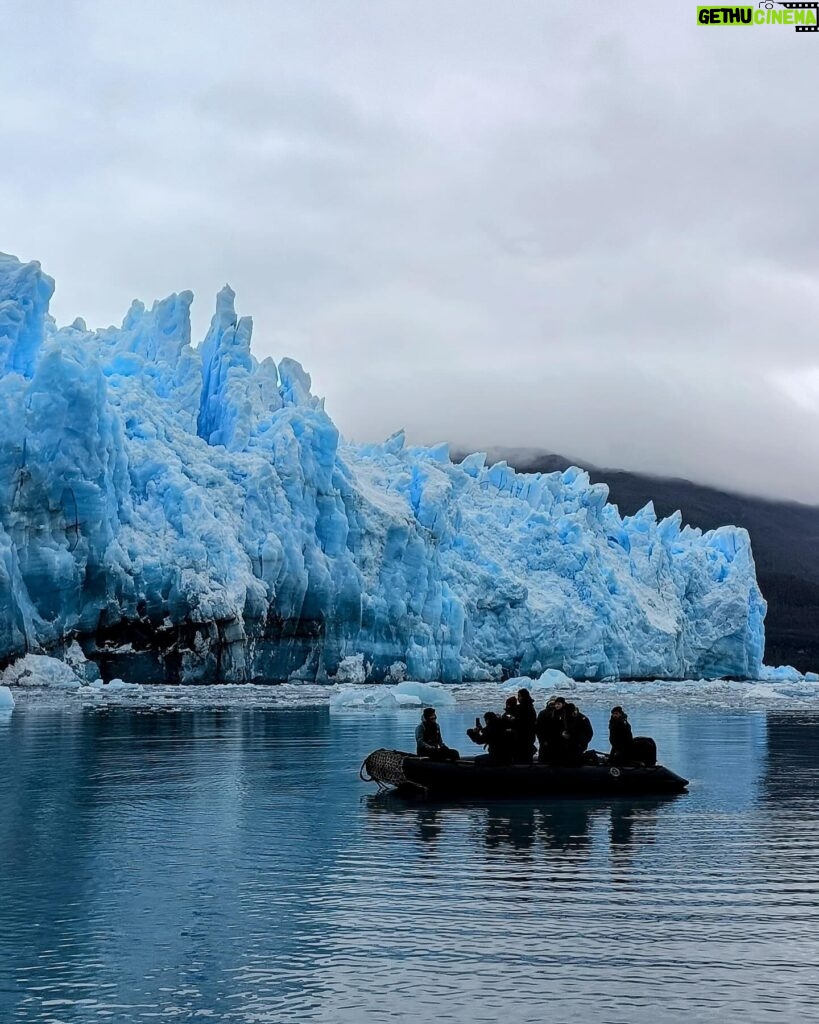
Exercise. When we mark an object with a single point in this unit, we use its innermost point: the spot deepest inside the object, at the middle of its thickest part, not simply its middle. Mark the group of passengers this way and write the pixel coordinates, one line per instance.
(562, 731)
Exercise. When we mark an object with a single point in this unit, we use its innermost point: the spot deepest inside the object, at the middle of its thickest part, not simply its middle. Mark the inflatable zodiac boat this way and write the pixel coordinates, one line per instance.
(476, 778)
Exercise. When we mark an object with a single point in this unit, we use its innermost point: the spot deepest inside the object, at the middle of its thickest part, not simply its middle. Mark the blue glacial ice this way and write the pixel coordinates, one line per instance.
(189, 513)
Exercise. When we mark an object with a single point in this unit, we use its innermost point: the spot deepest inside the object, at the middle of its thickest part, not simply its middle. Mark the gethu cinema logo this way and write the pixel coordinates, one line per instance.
(803, 16)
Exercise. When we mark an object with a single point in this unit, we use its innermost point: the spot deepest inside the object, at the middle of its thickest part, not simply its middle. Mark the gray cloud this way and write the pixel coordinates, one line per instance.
(586, 229)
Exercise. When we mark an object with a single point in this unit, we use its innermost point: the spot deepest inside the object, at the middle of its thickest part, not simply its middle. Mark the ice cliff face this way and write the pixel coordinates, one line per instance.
(191, 513)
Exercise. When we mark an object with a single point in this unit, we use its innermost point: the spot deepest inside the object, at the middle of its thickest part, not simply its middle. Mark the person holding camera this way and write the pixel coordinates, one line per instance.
(496, 735)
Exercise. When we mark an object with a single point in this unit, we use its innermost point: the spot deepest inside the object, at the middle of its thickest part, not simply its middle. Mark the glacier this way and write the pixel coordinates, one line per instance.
(189, 513)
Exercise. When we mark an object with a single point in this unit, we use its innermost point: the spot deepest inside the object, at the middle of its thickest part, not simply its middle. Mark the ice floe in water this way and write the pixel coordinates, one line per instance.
(384, 699)
(409, 694)
(551, 679)
(40, 681)
(370, 698)
(434, 694)
(120, 686)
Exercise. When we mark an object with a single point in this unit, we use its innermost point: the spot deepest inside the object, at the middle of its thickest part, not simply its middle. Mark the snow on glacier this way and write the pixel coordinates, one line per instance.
(191, 513)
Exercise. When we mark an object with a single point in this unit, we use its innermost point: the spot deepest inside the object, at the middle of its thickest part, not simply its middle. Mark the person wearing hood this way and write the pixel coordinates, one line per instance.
(620, 736)
(552, 735)
(580, 731)
(525, 728)
(510, 712)
(428, 740)
(628, 749)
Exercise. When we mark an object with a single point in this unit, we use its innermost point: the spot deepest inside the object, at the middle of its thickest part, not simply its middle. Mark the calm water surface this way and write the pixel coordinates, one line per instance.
(230, 865)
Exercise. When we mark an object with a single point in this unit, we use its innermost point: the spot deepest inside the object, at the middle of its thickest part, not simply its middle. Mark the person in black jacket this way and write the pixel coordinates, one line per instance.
(639, 751)
(525, 728)
(551, 731)
(510, 712)
(496, 735)
(620, 737)
(580, 732)
(428, 740)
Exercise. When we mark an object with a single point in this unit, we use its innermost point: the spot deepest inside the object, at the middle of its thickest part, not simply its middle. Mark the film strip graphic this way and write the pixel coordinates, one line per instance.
(799, 7)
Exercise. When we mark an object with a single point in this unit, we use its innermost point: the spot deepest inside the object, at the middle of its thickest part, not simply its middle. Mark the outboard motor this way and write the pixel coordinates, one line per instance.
(644, 750)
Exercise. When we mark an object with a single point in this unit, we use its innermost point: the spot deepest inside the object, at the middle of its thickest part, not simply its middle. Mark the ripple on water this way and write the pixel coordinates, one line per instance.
(229, 863)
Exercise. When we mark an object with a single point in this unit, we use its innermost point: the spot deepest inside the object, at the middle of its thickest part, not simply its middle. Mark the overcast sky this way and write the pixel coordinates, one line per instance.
(589, 228)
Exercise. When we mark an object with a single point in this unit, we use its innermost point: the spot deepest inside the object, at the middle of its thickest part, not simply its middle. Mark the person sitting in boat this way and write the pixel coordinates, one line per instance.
(620, 736)
(580, 732)
(496, 735)
(552, 736)
(428, 740)
(515, 718)
(509, 716)
(525, 728)
(626, 748)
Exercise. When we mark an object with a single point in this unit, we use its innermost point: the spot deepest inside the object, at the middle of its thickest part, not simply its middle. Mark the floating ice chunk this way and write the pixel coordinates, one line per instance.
(812, 677)
(374, 698)
(6, 700)
(518, 683)
(551, 679)
(428, 694)
(369, 698)
(120, 686)
(408, 700)
(554, 679)
(761, 691)
(40, 670)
